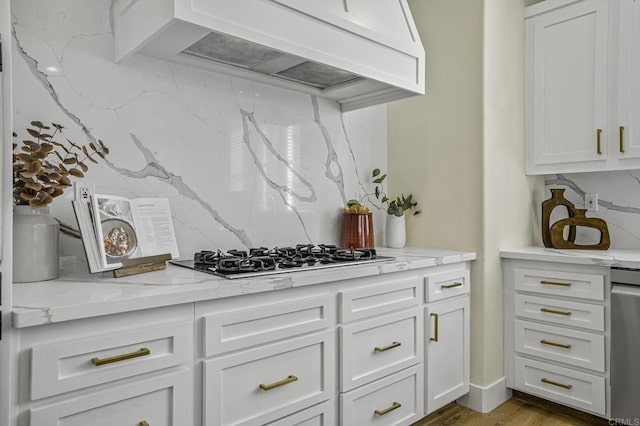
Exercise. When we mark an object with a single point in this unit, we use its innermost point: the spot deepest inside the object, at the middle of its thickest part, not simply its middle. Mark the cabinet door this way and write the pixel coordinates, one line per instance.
(447, 352)
(628, 131)
(567, 88)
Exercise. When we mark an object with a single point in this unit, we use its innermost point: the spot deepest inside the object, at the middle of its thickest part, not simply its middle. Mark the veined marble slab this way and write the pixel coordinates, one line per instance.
(621, 258)
(77, 294)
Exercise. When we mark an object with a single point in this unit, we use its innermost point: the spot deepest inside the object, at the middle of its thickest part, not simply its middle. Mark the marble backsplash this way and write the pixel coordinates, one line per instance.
(243, 164)
(618, 204)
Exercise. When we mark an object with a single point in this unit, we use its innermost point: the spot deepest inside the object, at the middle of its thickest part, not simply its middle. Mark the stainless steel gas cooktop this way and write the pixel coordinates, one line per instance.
(261, 261)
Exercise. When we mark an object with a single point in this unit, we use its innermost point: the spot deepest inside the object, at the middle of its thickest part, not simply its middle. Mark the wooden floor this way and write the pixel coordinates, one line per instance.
(518, 411)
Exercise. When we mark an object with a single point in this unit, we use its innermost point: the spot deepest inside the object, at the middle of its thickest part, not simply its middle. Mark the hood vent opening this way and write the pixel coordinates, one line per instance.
(251, 56)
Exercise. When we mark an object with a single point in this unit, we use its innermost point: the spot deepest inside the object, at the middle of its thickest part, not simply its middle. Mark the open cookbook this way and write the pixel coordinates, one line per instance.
(115, 229)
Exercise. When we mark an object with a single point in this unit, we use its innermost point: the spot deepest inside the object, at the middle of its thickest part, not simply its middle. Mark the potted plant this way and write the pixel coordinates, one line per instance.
(42, 170)
(396, 236)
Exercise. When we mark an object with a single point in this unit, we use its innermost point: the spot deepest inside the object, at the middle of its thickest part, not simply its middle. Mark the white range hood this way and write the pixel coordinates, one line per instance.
(357, 52)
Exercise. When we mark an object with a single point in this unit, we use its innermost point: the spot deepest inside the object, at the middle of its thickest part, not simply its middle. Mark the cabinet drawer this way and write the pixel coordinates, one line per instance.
(257, 325)
(375, 348)
(574, 388)
(319, 415)
(76, 364)
(446, 284)
(270, 382)
(560, 312)
(570, 284)
(393, 400)
(576, 348)
(368, 301)
(161, 401)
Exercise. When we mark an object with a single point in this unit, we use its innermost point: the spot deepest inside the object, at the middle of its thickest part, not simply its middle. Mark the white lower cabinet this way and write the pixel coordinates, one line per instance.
(447, 351)
(323, 414)
(161, 401)
(393, 400)
(556, 332)
(264, 384)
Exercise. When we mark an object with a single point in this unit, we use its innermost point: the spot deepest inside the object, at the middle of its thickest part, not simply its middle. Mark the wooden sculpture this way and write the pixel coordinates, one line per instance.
(579, 219)
(557, 199)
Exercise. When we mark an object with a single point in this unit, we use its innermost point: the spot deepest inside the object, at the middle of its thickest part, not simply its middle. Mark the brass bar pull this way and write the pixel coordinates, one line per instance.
(551, 382)
(451, 285)
(435, 339)
(290, 379)
(140, 352)
(143, 423)
(559, 345)
(622, 139)
(394, 406)
(599, 141)
(552, 311)
(555, 283)
(386, 348)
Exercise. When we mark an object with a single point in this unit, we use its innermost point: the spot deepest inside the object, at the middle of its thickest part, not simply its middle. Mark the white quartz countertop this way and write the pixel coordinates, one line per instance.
(612, 257)
(78, 294)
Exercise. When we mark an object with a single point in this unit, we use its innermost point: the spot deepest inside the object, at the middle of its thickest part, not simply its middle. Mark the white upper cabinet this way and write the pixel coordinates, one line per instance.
(356, 52)
(582, 86)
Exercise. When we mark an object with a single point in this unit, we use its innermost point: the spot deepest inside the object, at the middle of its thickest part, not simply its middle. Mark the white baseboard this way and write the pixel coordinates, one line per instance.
(485, 398)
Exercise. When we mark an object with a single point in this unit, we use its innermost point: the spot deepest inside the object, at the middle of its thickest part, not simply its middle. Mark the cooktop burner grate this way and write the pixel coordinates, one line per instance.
(266, 261)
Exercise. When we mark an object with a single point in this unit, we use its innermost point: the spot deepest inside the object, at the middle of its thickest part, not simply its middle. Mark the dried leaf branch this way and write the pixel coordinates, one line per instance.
(42, 166)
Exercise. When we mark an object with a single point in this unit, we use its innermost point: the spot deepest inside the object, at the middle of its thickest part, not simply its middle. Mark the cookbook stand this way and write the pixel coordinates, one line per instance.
(140, 265)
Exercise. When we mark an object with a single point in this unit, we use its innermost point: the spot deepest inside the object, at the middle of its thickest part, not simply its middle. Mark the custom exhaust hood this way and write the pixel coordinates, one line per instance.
(357, 52)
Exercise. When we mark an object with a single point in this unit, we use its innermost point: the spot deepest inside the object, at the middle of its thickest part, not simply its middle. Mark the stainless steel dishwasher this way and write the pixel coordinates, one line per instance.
(625, 345)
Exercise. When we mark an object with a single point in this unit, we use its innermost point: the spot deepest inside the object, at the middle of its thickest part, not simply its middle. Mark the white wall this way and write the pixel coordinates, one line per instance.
(460, 151)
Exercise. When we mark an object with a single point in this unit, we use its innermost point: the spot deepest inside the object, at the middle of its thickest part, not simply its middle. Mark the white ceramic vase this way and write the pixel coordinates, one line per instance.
(396, 234)
(35, 245)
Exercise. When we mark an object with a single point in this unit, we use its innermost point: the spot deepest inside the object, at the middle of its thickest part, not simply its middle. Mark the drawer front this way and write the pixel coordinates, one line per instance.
(560, 312)
(267, 383)
(393, 400)
(76, 364)
(574, 388)
(446, 284)
(162, 401)
(374, 300)
(319, 415)
(229, 331)
(575, 348)
(570, 284)
(375, 348)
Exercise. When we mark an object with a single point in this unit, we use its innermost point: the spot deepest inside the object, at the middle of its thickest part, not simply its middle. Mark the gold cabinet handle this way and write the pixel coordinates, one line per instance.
(451, 285)
(290, 379)
(435, 338)
(555, 283)
(394, 406)
(622, 139)
(386, 348)
(598, 141)
(553, 311)
(559, 345)
(140, 352)
(143, 423)
(551, 382)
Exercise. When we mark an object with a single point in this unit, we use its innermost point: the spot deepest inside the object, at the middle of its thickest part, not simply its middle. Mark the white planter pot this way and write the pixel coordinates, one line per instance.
(35, 245)
(396, 234)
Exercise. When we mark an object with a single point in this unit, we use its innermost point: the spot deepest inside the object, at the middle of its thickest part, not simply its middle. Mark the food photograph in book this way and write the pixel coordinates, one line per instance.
(116, 228)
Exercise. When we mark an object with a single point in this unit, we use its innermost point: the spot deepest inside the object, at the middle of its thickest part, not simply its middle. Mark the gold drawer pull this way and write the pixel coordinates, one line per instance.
(555, 283)
(140, 352)
(435, 338)
(552, 311)
(394, 406)
(143, 423)
(622, 139)
(451, 285)
(598, 141)
(551, 382)
(386, 348)
(290, 379)
(559, 345)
